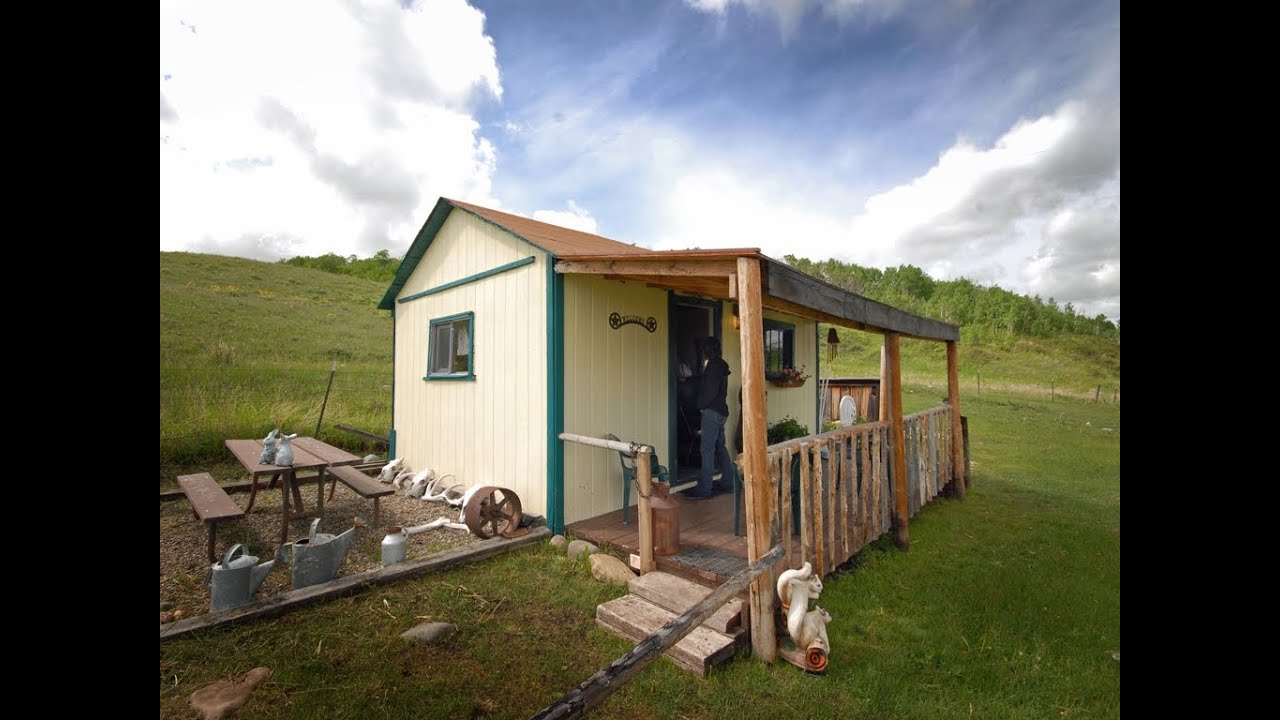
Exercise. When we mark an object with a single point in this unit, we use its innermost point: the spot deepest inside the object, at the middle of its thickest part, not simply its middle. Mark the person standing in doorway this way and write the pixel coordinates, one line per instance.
(713, 389)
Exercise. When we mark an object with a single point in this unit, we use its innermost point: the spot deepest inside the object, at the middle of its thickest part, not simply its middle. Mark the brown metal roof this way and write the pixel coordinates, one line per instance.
(697, 272)
(559, 241)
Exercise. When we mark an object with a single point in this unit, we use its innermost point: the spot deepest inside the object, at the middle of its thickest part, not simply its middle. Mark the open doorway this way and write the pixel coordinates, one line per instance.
(693, 320)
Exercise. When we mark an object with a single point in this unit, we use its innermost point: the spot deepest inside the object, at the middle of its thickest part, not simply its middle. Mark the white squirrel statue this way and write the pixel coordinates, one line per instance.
(284, 454)
(807, 628)
(268, 455)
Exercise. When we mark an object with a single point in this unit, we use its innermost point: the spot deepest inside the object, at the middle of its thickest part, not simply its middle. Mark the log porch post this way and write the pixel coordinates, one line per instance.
(764, 642)
(953, 397)
(644, 509)
(901, 513)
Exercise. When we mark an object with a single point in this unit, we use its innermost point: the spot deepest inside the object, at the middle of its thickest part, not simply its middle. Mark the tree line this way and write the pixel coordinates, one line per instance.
(982, 312)
(380, 267)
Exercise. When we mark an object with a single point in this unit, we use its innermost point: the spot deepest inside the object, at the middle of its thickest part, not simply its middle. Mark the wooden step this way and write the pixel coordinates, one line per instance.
(636, 619)
(677, 595)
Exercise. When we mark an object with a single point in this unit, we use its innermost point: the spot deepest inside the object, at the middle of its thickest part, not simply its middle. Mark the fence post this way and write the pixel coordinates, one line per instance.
(901, 512)
(953, 396)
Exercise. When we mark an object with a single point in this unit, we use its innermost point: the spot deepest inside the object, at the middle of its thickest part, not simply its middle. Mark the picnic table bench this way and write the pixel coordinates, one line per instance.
(209, 502)
(364, 486)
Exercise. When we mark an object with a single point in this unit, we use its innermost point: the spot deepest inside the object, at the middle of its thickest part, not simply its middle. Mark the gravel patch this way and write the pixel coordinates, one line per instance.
(184, 540)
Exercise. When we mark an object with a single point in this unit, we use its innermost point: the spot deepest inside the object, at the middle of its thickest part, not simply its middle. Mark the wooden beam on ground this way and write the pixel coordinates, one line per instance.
(764, 641)
(353, 583)
(953, 398)
(597, 688)
(901, 512)
(718, 267)
(644, 508)
(363, 434)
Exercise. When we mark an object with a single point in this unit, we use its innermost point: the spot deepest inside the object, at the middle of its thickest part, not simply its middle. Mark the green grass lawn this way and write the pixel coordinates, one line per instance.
(1006, 606)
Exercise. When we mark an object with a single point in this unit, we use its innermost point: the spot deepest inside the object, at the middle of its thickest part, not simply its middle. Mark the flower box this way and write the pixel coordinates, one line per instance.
(785, 383)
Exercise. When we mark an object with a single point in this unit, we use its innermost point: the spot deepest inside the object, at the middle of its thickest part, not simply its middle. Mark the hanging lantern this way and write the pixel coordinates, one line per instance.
(833, 344)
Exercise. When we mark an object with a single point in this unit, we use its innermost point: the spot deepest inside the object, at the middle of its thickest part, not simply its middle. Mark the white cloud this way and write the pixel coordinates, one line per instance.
(1037, 212)
(576, 218)
(313, 126)
(788, 13)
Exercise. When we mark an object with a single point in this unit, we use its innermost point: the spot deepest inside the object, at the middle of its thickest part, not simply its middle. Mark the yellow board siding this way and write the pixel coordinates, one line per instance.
(800, 403)
(615, 382)
(491, 430)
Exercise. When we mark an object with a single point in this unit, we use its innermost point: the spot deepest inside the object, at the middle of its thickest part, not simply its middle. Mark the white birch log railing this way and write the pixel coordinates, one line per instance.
(644, 487)
(597, 688)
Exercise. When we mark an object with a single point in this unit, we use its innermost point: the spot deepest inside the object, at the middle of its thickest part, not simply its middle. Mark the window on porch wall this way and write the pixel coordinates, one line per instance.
(779, 347)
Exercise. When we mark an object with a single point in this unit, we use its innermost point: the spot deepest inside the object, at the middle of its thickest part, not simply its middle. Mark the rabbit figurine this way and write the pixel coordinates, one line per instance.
(268, 456)
(284, 454)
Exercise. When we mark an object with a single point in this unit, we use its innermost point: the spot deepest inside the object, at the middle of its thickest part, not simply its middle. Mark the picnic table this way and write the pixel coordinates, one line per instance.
(308, 454)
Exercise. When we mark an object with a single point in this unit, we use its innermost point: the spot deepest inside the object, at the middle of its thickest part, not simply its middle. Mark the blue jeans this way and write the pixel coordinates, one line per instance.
(713, 451)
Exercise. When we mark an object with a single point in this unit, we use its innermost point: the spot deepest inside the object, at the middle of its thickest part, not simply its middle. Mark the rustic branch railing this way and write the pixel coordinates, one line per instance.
(841, 482)
(928, 444)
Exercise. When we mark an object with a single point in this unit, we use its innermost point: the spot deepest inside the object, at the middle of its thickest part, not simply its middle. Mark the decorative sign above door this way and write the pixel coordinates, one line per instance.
(616, 321)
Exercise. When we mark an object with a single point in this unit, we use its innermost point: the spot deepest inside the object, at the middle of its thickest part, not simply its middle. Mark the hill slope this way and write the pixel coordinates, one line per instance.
(214, 309)
(246, 346)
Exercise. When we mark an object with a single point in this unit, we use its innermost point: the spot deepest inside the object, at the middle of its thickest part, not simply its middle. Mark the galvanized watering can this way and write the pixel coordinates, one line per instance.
(317, 557)
(234, 582)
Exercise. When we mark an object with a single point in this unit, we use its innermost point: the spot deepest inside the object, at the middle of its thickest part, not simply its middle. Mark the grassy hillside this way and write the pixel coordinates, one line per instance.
(246, 346)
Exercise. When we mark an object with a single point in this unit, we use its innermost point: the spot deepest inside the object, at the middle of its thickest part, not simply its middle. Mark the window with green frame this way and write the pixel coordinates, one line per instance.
(451, 348)
(779, 347)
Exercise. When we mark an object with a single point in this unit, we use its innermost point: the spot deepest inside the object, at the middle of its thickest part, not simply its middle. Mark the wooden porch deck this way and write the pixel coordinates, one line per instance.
(705, 525)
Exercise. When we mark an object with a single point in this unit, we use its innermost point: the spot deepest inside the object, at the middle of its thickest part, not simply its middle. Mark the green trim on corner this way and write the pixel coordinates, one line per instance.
(471, 351)
(416, 251)
(469, 279)
(555, 396)
(391, 451)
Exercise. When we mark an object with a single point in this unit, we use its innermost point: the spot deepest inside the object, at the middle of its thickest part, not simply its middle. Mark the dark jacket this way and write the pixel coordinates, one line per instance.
(713, 386)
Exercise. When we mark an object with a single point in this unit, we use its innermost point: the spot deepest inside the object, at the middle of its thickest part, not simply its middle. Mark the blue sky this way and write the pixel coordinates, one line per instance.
(970, 138)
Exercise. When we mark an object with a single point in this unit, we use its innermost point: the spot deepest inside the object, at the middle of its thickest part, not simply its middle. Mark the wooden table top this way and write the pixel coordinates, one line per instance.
(333, 456)
(248, 452)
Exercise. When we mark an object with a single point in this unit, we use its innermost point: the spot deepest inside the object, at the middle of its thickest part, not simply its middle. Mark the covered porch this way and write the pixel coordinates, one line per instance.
(822, 497)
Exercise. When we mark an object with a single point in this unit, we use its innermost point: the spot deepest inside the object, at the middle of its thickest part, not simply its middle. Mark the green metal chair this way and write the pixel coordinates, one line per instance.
(628, 460)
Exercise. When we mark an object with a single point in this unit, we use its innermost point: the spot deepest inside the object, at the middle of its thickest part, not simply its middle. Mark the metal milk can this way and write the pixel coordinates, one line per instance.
(393, 546)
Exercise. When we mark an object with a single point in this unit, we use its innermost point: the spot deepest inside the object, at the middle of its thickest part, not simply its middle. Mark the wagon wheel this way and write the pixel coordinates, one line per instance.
(492, 511)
